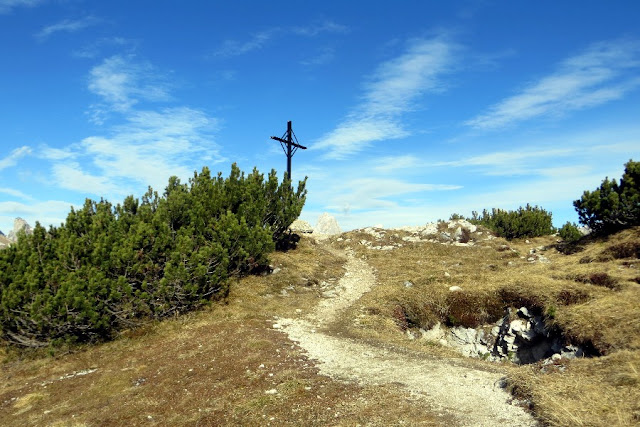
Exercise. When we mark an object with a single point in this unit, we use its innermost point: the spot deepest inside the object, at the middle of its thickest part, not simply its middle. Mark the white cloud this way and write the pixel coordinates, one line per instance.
(391, 92)
(7, 5)
(67, 25)
(51, 153)
(70, 176)
(122, 83)
(15, 193)
(148, 148)
(14, 156)
(604, 72)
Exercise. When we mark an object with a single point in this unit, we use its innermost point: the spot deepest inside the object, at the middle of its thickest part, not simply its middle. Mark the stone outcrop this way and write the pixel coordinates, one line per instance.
(19, 224)
(327, 225)
(522, 340)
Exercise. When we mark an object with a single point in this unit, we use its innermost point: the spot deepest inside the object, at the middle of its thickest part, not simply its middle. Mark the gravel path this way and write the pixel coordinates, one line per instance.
(472, 397)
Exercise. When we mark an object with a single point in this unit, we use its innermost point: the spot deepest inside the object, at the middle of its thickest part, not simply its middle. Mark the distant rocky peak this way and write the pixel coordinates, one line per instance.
(18, 225)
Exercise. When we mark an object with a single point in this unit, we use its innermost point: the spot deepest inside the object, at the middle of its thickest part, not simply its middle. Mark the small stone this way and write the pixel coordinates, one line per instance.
(272, 391)
(277, 326)
(446, 274)
(556, 357)
(408, 284)
(276, 270)
(455, 289)
(524, 313)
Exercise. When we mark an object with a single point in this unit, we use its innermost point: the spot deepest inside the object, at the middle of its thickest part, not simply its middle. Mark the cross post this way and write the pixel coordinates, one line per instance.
(289, 146)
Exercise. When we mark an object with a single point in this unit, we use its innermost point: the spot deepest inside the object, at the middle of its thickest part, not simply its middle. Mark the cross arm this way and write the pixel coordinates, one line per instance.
(288, 142)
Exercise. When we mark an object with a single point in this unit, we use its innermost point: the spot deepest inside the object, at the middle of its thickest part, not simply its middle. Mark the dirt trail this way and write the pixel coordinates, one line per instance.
(470, 396)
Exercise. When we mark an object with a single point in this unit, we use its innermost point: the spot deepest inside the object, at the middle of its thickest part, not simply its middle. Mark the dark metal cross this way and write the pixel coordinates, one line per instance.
(289, 146)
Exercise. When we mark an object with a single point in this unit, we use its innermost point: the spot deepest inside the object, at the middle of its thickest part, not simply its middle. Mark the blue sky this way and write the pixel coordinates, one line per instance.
(412, 110)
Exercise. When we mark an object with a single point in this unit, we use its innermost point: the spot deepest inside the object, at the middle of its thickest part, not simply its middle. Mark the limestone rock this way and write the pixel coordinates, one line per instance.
(301, 226)
(18, 225)
(327, 225)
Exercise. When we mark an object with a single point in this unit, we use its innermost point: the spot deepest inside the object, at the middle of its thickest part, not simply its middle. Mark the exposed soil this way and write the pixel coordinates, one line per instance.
(470, 396)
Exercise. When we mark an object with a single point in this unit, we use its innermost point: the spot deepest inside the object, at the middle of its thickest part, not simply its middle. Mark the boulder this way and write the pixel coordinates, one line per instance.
(327, 225)
(301, 226)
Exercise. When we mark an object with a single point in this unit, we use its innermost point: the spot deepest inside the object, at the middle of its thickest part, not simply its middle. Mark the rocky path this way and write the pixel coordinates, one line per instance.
(472, 397)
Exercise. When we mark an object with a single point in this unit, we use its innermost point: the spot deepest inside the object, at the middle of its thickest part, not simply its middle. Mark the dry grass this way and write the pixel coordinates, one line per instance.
(596, 303)
(214, 367)
(224, 365)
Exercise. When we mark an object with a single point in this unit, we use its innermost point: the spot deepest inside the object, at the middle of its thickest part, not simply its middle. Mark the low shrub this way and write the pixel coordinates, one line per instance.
(107, 268)
(623, 250)
(530, 221)
(599, 279)
(570, 232)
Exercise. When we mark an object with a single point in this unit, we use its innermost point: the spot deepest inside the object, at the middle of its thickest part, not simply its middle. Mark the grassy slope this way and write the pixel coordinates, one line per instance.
(207, 368)
(597, 391)
(213, 367)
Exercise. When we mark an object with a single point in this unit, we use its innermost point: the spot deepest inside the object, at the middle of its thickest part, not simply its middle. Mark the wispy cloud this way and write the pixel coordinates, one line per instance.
(66, 26)
(15, 193)
(260, 39)
(14, 156)
(146, 150)
(6, 6)
(389, 164)
(322, 57)
(122, 83)
(95, 48)
(236, 48)
(321, 27)
(604, 72)
(391, 92)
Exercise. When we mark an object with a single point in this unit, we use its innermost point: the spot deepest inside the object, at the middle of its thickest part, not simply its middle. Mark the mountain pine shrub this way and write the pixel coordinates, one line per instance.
(530, 221)
(570, 232)
(613, 206)
(110, 267)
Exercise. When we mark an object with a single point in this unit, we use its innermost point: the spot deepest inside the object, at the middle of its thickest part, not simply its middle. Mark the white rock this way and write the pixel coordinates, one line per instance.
(434, 334)
(327, 225)
(455, 289)
(272, 391)
(301, 226)
(19, 224)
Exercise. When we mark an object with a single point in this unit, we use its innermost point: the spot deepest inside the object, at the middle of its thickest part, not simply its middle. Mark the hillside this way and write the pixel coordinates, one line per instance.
(339, 334)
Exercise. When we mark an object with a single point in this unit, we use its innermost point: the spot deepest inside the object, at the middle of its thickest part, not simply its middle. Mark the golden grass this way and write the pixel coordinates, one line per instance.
(592, 391)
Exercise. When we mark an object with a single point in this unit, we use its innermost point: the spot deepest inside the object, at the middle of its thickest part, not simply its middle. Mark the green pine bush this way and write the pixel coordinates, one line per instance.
(614, 206)
(108, 268)
(530, 221)
(570, 232)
